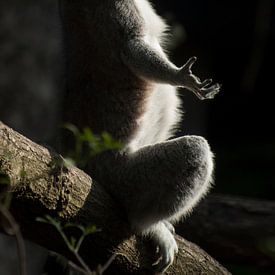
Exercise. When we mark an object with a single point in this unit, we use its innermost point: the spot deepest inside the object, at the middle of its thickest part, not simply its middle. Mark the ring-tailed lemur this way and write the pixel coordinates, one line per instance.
(120, 80)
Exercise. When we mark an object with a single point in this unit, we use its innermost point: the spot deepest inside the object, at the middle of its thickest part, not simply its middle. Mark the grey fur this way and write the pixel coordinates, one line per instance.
(121, 81)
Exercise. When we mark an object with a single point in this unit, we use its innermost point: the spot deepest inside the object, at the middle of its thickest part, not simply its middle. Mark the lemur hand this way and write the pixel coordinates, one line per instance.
(203, 90)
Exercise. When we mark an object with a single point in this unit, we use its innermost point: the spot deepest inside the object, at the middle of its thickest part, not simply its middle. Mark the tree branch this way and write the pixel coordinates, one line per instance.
(40, 185)
(234, 230)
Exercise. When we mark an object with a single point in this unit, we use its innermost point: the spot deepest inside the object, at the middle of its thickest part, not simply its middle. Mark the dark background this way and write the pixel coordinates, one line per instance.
(234, 43)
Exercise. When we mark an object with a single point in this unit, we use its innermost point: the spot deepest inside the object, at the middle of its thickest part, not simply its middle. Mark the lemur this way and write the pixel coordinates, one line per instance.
(120, 80)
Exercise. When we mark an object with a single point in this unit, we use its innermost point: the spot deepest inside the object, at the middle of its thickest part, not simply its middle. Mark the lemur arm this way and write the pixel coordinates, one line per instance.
(149, 64)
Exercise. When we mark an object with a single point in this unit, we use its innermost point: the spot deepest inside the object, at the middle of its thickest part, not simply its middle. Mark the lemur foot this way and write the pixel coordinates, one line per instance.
(167, 248)
(203, 90)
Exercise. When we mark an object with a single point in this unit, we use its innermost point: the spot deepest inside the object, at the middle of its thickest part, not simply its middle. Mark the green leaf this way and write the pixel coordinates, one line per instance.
(91, 230)
(72, 128)
(88, 135)
(87, 145)
(109, 142)
(73, 241)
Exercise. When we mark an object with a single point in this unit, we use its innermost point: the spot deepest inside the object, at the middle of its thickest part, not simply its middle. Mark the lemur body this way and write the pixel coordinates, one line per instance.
(119, 80)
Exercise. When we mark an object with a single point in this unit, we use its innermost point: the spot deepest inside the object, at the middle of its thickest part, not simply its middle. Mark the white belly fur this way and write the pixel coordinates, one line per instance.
(160, 119)
(161, 114)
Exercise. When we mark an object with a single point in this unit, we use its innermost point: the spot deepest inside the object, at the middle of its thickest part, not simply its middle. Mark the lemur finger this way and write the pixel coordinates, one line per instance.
(167, 258)
(190, 62)
(212, 91)
(206, 82)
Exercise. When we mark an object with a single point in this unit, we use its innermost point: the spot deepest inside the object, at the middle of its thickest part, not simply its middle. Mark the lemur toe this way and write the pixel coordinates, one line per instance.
(170, 227)
(167, 252)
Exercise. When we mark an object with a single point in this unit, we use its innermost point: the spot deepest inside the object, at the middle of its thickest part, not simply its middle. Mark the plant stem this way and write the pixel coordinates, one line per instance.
(19, 239)
(83, 264)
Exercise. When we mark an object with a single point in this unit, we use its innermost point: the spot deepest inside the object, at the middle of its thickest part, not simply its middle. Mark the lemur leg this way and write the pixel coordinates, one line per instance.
(162, 182)
(168, 177)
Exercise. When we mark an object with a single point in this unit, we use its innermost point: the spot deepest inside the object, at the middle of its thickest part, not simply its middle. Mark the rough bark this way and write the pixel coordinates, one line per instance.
(40, 185)
(234, 230)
